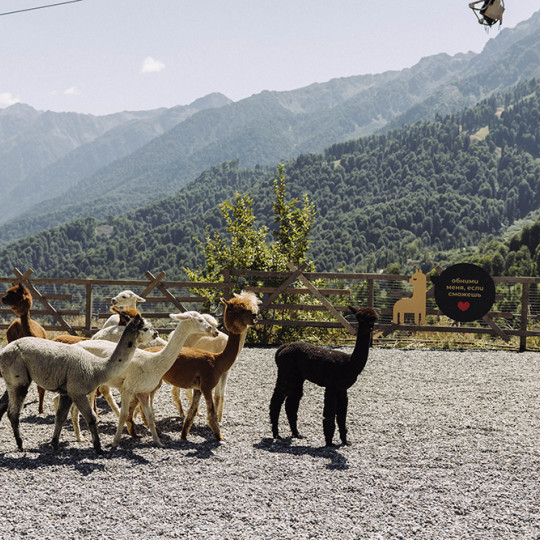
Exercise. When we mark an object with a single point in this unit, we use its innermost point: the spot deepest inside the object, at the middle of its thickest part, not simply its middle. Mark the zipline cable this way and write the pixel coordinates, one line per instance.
(40, 7)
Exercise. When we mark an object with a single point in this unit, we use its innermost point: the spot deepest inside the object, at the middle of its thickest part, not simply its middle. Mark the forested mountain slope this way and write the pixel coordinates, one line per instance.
(381, 199)
(276, 126)
(45, 153)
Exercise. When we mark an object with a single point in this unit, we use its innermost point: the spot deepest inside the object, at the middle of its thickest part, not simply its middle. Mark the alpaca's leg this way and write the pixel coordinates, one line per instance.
(341, 415)
(175, 391)
(219, 395)
(130, 424)
(106, 393)
(41, 399)
(144, 400)
(16, 400)
(64, 404)
(76, 424)
(85, 407)
(4, 402)
(124, 413)
(292, 403)
(278, 397)
(329, 415)
(211, 416)
(190, 416)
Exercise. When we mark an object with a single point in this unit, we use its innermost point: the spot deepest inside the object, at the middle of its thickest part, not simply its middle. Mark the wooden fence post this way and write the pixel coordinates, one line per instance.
(524, 317)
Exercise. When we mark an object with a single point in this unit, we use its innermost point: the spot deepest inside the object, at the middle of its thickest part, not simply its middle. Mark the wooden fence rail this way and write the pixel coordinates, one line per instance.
(295, 298)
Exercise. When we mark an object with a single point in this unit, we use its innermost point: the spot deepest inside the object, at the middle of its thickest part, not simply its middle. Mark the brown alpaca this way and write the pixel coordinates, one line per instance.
(19, 299)
(201, 370)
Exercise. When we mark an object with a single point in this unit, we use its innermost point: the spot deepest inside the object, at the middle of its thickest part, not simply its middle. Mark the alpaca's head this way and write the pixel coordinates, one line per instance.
(366, 318)
(127, 299)
(240, 312)
(143, 331)
(195, 323)
(18, 298)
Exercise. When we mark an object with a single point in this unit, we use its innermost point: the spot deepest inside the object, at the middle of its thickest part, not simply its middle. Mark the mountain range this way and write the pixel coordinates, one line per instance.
(60, 167)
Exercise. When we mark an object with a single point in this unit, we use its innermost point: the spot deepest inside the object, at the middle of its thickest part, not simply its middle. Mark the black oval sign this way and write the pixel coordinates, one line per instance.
(464, 292)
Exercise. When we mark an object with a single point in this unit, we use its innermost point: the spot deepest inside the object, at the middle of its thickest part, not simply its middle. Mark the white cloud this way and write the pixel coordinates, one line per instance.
(151, 65)
(72, 91)
(7, 99)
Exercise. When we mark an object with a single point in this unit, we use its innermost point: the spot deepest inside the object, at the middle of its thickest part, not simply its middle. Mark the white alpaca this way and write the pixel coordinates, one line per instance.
(63, 368)
(114, 333)
(125, 299)
(147, 368)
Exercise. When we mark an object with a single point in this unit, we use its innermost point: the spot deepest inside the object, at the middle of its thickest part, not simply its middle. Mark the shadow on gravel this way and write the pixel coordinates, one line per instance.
(285, 446)
(85, 461)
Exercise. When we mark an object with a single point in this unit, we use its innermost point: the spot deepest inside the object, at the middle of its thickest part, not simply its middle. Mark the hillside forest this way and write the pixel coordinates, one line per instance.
(453, 189)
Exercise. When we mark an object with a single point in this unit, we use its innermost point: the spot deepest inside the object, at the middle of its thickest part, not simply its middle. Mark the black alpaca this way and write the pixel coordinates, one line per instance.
(335, 370)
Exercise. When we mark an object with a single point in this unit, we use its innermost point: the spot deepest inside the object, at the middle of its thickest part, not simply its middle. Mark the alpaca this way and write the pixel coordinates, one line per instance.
(114, 332)
(146, 370)
(201, 370)
(63, 368)
(19, 299)
(416, 304)
(125, 299)
(336, 371)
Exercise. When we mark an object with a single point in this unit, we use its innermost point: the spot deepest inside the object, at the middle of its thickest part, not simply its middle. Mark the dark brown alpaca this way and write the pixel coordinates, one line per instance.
(336, 371)
(19, 299)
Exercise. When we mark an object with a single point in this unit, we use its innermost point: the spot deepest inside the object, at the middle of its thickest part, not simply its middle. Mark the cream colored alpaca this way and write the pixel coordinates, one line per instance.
(147, 369)
(125, 299)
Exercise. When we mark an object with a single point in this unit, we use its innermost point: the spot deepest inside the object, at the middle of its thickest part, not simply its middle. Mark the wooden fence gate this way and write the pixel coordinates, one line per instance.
(295, 298)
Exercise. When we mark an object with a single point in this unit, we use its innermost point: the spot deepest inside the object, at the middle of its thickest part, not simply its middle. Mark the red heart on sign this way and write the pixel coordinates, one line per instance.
(464, 306)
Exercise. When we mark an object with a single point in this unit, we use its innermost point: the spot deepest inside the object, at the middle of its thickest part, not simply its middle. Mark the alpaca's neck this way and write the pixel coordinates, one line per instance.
(360, 353)
(227, 357)
(25, 323)
(118, 362)
(163, 360)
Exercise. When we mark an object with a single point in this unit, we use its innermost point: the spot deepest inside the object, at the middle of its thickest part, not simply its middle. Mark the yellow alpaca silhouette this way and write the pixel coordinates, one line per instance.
(415, 305)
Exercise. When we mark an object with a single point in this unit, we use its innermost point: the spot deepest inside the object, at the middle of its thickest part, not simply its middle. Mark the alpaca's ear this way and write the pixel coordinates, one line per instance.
(139, 299)
(223, 301)
(352, 310)
(126, 316)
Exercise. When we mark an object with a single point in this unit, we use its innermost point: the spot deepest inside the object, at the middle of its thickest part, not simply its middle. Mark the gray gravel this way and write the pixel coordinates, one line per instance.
(444, 445)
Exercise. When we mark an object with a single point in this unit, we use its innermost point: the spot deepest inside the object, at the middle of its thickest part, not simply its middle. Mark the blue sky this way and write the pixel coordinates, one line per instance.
(104, 56)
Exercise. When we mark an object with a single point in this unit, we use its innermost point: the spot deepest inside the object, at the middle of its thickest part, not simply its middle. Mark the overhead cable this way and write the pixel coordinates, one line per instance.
(40, 7)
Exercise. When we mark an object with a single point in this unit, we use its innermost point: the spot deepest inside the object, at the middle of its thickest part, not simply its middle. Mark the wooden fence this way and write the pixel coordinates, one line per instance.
(289, 299)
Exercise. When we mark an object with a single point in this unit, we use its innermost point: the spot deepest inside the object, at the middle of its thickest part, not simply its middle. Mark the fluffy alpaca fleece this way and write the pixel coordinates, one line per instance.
(66, 369)
(146, 370)
(336, 371)
(201, 370)
(19, 299)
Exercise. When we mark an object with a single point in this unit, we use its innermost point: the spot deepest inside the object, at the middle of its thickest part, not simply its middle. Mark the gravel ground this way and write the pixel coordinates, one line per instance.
(444, 445)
